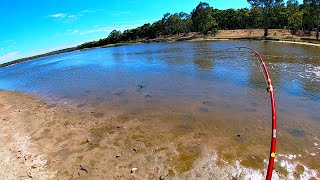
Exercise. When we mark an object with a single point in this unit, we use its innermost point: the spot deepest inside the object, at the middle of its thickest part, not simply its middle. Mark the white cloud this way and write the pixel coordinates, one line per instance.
(87, 11)
(75, 31)
(106, 29)
(9, 57)
(69, 17)
(73, 16)
(58, 15)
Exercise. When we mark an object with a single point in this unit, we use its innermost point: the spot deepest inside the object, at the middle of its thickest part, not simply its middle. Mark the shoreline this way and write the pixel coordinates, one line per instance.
(297, 42)
(223, 35)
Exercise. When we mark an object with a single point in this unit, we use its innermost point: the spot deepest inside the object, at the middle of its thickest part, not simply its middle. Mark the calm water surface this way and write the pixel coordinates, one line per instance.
(195, 89)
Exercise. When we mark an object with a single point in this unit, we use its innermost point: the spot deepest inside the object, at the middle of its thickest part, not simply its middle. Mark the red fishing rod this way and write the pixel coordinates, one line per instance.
(270, 89)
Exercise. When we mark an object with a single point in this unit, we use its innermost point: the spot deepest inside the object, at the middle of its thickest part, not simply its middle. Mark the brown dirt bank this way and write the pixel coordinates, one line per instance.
(41, 140)
(245, 34)
(273, 33)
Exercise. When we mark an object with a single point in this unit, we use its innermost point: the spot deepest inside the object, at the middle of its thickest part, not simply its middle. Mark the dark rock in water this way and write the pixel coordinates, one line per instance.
(239, 138)
(51, 106)
(80, 105)
(119, 93)
(135, 149)
(207, 103)
(203, 109)
(117, 156)
(250, 110)
(97, 115)
(141, 87)
(254, 104)
(297, 133)
(227, 106)
(147, 96)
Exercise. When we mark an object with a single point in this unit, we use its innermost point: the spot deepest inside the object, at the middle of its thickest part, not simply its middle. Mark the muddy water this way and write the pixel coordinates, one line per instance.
(188, 95)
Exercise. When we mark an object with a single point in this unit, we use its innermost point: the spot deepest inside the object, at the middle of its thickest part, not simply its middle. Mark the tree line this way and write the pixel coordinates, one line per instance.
(301, 19)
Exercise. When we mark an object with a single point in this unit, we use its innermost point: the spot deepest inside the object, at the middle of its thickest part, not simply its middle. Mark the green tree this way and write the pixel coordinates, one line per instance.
(295, 22)
(219, 16)
(174, 23)
(313, 6)
(157, 29)
(292, 6)
(255, 18)
(279, 16)
(114, 36)
(145, 31)
(202, 19)
(266, 7)
(242, 18)
(186, 22)
(167, 29)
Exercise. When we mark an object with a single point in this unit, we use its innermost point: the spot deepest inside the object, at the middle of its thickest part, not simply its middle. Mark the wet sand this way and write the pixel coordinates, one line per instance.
(41, 140)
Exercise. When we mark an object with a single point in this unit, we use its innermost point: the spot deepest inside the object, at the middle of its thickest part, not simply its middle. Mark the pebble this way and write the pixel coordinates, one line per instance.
(133, 170)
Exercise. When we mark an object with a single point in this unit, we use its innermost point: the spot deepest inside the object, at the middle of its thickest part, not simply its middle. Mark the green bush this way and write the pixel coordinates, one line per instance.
(214, 31)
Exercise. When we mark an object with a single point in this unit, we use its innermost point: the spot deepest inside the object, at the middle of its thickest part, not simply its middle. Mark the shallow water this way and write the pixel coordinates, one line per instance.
(187, 89)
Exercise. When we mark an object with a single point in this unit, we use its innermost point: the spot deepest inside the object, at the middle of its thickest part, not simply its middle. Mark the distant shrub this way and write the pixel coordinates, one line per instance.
(214, 31)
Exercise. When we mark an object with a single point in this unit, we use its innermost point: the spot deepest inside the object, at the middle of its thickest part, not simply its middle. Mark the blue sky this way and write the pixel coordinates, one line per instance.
(37, 26)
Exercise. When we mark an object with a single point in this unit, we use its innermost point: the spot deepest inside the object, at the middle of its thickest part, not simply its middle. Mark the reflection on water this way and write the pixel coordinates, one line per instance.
(193, 88)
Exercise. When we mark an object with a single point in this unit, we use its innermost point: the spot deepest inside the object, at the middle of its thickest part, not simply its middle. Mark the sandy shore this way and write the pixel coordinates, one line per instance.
(47, 141)
(41, 140)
